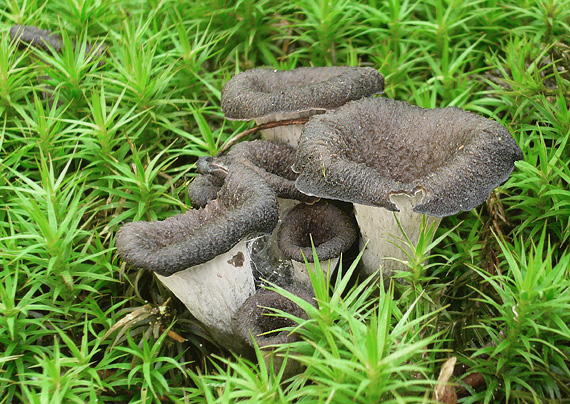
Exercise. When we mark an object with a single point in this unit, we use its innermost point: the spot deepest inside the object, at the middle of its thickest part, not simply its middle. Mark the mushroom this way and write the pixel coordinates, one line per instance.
(47, 40)
(256, 320)
(323, 225)
(389, 156)
(281, 95)
(34, 36)
(272, 161)
(201, 255)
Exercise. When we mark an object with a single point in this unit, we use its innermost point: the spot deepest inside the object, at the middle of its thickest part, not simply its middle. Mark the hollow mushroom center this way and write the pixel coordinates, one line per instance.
(314, 229)
(401, 143)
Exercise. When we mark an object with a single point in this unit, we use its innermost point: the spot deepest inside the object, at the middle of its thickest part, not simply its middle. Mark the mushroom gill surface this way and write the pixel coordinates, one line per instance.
(330, 229)
(245, 205)
(373, 148)
(258, 93)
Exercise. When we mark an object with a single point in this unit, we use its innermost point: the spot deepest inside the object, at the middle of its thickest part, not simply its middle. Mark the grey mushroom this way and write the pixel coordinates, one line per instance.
(202, 256)
(245, 205)
(204, 188)
(256, 319)
(46, 40)
(34, 36)
(279, 95)
(330, 230)
(389, 156)
(272, 161)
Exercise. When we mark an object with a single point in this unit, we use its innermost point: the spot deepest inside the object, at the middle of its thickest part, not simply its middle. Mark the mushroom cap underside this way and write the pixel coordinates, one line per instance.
(370, 149)
(331, 231)
(258, 93)
(245, 206)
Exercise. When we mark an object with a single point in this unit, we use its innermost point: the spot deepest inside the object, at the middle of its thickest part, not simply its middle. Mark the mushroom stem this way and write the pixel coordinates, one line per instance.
(301, 269)
(286, 128)
(214, 291)
(260, 128)
(383, 237)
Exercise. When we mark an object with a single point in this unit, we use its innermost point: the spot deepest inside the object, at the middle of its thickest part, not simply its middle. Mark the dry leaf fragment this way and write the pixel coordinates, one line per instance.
(445, 392)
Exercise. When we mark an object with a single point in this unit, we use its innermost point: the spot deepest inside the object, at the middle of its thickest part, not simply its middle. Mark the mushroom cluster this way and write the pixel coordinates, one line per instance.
(393, 161)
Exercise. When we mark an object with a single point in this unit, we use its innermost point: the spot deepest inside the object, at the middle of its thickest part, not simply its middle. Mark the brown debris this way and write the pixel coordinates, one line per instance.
(444, 392)
(258, 128)
(473, 380)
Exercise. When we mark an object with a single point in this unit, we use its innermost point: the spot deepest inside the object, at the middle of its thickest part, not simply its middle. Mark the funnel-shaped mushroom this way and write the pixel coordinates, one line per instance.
(256, 319)
(279, 95)
(272, 161)
(201, 255)
(378, 153)
(331, 231)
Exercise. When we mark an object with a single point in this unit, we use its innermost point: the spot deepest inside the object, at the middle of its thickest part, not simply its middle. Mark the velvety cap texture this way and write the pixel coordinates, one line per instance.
(245, 206)
(255, 316)
(261, 92)
(370, 149)
(273, 162)
(270, 160)
(330, 229)
(204, 188)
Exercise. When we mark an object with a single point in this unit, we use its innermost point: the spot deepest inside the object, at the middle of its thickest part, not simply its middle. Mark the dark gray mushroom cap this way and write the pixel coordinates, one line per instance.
(47, 40)
(204, 188)
(256, 318)
(261, 92)
(272, 161)
(245, 206)
(34, 36)
(373, 148)
(331, 230)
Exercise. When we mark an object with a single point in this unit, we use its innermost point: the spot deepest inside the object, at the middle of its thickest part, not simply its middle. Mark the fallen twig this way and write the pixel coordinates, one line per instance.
(257, 128)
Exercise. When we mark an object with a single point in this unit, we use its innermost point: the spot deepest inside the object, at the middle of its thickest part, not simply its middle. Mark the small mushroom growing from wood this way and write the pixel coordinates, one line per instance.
(283, 95)
(201, 255)
(389, 156)
(256, 319)
(323, 225)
